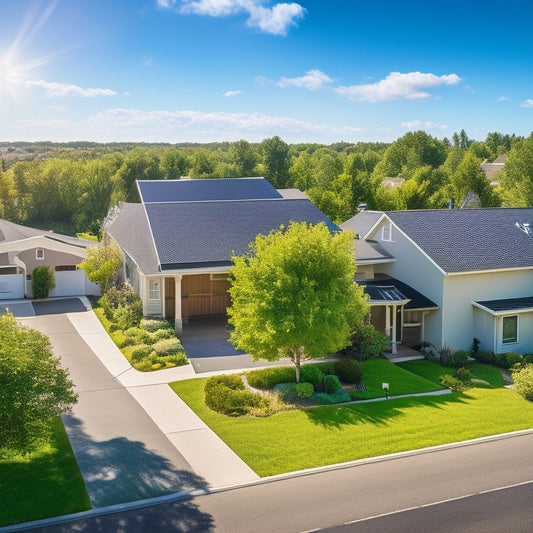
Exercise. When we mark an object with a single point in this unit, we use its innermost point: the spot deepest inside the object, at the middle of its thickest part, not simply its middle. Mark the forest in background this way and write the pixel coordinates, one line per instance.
(69, 187)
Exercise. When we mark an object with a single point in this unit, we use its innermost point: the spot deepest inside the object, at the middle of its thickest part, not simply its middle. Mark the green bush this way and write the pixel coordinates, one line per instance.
(453, 383)
(449, 357)
(331, 384)
(527, 358)
(311, 374)
(121, 296)
(523, 381)
(464, 375)
(140, 352)
(226, 395)
(138, 335)
(154, 324)
(484, 356)
(287, 391)
(349, 370)
(128, 316)
(168, 347)
(267, 378)
(327, 367)
(304, 390)
(162, 334)
(43, 281)
(511, 359)
(367, 343)
(321, 398)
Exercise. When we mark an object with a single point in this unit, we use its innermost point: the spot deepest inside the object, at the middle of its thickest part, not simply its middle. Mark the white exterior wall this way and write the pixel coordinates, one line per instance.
(484, 324)
(461, 290)
(12, 286)
(69, 283)
(154, 307)
(413, 267)
(525, 335)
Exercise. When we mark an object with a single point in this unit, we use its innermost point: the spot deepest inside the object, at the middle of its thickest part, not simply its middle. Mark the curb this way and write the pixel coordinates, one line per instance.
(102, 511)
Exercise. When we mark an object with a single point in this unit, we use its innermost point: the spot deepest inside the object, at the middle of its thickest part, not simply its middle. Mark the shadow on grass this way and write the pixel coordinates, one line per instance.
(378, 413)
(121, 470)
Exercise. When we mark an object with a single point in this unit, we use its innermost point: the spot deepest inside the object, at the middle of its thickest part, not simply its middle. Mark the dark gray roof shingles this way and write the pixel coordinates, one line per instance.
(417, 299)
(508, 304)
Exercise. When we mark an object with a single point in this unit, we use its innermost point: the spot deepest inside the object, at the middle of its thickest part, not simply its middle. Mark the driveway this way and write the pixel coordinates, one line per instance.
(122, 454)
(206, 343)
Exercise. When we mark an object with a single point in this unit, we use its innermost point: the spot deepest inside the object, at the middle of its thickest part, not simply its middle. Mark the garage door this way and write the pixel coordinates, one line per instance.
(204, 294)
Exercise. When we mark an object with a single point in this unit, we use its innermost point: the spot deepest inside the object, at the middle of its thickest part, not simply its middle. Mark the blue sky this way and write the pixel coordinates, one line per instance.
(224, 70)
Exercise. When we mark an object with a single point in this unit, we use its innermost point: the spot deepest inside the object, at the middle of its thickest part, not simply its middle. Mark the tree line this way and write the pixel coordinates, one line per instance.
(71, 186)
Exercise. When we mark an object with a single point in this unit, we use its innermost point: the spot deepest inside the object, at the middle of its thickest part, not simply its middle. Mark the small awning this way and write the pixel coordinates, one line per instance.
(506, 305)
(385, 294)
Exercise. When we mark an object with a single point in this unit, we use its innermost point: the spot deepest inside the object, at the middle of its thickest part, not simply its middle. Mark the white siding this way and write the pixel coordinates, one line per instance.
(69, 283)
(484, 324)
(11, 286)
(154, 307)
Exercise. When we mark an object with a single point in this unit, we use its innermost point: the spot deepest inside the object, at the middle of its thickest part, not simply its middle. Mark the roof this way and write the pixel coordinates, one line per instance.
(506, 305)
(362, 223)
(194, 190)
(202, 232)
(469, 240)
(417, 299)
(209, 232)
(368, 250)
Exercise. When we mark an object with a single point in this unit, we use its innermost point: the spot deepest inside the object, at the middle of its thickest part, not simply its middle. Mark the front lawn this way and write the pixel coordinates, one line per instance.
(307, 438)
(45, 483)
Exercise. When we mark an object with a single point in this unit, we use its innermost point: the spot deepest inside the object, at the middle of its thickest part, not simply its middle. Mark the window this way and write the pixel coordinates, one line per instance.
(39, 254)
(154, 290)
(510, 329)
(63, 268)
(386, 232)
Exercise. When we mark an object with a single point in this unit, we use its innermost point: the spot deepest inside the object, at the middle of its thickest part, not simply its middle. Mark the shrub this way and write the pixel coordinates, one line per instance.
(226, 394)
(311, 374)
(367, 343)
(267, 378)
(527, 358)
(511, 359)
(475, 347)
(349, 370)
(484, 356)
(140, 352)
(304, 390)
(523, 381)
(287, 391)
(138, 335)
(168, 347)
(43, 281)
(453, 383)
(321, 398)
(154, 324)
(128, 316)
(121, 296)
(162, 334)
(464, 375)
(331, 384)
(327, 367)
(459, 358)
(429, 351)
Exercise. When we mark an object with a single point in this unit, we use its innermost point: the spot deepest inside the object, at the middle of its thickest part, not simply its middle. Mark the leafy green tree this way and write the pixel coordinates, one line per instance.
(276, 162)
(174, 164)
(244, 158)
(293, 294)
(517, 177)
(202, 166)
(43, 281)
(33, 386)
(469, 177)
(102, 263)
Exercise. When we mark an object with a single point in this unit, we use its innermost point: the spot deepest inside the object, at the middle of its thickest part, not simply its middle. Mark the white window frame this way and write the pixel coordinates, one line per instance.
(39, 254)
(516, 339)
(154, 289)
(386, 232)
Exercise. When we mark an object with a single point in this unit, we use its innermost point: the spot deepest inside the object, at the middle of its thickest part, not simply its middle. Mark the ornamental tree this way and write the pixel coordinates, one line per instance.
(293, 294)
(33, 386)
(102, 263)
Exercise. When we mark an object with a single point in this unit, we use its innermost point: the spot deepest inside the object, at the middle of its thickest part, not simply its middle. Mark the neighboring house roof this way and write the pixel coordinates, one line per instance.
(417, 300)
(170, 235)
(194, 190)
(469, 240)
(362, 223)
(506, 305)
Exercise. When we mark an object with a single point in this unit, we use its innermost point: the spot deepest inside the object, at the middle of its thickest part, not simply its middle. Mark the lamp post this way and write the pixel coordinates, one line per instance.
(385, 387)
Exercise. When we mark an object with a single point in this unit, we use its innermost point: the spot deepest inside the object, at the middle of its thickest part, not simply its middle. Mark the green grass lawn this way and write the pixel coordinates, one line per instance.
(432, 371)
(306, 438)
(45, 483)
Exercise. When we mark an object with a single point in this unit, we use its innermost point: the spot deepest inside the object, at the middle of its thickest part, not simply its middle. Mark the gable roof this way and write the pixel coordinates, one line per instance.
(362, 223)
(172, 235)
(205, 190)
(470, 240)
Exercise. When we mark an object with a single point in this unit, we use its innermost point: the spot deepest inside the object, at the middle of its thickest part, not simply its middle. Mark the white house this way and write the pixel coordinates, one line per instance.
(476, 265)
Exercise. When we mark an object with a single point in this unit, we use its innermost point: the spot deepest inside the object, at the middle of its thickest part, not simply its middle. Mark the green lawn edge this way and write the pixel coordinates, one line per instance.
(325, 435)
(45, 483)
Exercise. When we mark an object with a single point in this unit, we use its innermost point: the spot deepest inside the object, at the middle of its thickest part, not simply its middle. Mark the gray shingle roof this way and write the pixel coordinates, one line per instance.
(190, 234)
(417, 299)
(362, 222)
(189, 190)
(367, 250)
(508, 304)
(466, 240)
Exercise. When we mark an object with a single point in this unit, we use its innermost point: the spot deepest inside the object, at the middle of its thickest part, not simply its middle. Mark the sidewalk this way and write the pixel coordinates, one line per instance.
(207, 454)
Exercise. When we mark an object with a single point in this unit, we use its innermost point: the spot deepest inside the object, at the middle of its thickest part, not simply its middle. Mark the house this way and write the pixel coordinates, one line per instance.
(23, 248)
(178, 241)
(473, 269)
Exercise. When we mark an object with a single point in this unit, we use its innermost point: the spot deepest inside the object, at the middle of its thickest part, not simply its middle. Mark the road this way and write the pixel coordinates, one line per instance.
(449, 489)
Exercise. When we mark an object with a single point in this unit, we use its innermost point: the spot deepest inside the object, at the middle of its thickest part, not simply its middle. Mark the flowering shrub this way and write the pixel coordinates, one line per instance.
(367, 343)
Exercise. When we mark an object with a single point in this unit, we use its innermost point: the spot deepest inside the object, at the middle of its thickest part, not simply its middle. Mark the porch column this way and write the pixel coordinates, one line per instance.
(178, 322)
(393, 335)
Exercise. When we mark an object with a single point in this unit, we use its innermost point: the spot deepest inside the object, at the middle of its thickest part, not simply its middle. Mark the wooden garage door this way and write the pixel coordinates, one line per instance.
(170, 297)
(203, 296)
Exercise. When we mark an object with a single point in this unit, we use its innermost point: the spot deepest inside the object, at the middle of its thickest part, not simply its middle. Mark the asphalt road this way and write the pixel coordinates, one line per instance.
(468, 488)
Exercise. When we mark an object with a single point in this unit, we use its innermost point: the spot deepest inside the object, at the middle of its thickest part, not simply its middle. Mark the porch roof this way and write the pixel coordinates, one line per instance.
(416, 299)
(506, 305)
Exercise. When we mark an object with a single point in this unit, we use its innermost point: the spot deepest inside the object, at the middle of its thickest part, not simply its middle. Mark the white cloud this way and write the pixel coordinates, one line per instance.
(313, 80)
(502, 99)
(527, 103)
(55, 89)
(423, 125)
(274, 19)
(396, 85)
(232, 93)
(262, 80)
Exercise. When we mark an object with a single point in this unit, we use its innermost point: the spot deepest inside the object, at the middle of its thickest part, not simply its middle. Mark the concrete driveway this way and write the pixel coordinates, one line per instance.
(123, 455)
